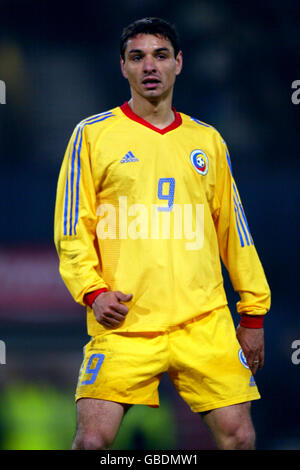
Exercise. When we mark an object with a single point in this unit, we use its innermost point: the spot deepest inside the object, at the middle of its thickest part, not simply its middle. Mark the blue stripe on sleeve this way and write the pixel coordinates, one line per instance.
(228, 160)
(240, 217)
(74, 186)
(67, 197)
(77, 185)
(241, 211)
(102, 117)
(238, 228)
(200, 122)
(72, 180)
(246, 223)
(237, 212)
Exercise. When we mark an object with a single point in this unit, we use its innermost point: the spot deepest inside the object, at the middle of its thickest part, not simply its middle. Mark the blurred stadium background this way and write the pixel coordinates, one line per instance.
(60, 63)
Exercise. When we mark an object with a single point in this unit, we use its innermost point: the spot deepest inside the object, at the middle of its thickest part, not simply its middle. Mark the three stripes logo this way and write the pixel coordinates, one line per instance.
(129, 157)
(241, 221)
(71, 204)
(240, 217)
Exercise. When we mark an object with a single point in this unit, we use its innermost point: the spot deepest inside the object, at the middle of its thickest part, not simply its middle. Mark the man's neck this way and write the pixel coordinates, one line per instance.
(158, 113)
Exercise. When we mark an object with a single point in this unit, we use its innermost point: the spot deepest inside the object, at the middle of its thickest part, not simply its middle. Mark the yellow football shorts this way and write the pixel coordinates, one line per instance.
(202, 357)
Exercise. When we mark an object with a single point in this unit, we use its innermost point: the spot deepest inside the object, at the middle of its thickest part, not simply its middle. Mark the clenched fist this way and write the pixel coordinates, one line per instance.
(109, 308)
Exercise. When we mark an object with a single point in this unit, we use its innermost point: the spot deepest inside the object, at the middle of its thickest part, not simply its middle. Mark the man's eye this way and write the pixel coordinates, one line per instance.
(162, 55)
(136, 58)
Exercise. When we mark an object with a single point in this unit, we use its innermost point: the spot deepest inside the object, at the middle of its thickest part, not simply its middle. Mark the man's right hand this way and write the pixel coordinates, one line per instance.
(109, 309)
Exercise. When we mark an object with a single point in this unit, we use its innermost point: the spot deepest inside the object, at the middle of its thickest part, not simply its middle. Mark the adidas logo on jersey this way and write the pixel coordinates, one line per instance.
(129, 157)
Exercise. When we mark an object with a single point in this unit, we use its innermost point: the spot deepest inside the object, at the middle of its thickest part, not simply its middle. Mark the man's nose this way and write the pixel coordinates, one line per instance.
(149, 64)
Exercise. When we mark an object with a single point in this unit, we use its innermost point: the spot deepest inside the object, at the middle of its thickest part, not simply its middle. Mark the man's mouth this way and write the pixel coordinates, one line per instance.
(150, 82)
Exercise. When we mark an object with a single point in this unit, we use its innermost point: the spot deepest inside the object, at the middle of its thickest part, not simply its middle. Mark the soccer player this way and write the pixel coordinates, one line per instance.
(147, 207)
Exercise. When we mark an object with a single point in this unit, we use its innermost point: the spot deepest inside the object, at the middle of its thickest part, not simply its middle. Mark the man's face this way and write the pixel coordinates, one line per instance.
(150, 65)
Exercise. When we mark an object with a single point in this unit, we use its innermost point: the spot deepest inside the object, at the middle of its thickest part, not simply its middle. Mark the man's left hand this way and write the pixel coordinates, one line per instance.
(252, 344)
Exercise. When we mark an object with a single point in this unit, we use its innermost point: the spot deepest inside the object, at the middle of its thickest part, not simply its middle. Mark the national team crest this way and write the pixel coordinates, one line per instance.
(199, 161)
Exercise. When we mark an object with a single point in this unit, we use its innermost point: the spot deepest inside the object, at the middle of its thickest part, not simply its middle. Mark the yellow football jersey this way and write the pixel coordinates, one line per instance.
(149, 212)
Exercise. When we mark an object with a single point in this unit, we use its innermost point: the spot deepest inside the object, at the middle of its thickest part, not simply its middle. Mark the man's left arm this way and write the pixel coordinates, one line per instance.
(240, 258)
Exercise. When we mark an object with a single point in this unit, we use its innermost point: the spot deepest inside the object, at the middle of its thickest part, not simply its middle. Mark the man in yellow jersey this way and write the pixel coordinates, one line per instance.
(146, 207)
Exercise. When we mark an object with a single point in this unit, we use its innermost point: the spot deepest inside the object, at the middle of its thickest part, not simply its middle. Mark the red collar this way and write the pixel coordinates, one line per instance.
(131, 115)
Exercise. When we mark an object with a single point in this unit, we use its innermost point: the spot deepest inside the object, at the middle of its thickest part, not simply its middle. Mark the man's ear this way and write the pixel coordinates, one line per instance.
(179, 62)
(122, 63)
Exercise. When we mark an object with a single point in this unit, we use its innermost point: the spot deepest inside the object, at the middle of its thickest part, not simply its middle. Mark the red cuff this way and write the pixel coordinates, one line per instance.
(252, 321)
(91, 296)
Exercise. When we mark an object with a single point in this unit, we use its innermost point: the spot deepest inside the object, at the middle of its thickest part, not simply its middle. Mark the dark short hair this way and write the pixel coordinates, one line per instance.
(150, 25)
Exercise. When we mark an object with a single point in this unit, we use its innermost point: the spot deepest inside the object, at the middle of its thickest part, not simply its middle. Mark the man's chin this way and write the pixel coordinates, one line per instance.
(154, 93)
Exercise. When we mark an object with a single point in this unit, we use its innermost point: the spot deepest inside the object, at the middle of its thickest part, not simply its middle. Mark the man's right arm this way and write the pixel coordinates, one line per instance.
(75, 236)
(76, 220)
